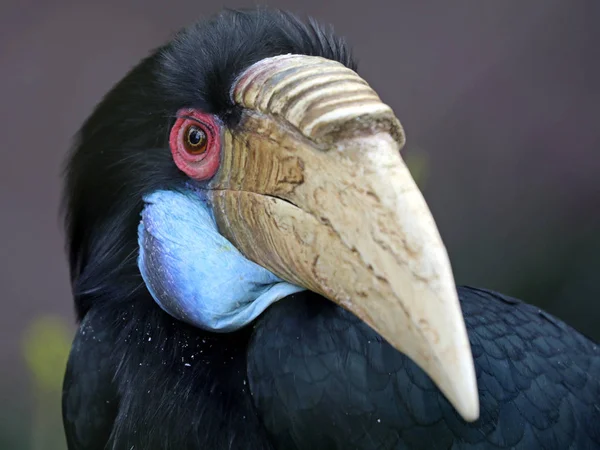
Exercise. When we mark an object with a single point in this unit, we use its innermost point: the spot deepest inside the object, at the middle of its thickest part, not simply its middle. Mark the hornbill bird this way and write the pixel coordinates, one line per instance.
(253, 267)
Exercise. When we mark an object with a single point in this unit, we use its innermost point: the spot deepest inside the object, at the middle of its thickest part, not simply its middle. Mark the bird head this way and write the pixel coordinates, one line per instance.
(245, 161)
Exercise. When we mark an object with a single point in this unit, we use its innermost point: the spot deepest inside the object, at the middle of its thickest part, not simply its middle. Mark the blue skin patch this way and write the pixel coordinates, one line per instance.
(194, 273)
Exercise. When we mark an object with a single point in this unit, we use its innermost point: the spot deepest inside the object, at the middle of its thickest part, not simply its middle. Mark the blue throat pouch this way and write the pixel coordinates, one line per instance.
(194, 273)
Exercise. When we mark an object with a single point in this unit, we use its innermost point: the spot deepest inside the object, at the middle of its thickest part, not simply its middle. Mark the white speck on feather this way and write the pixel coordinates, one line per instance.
(378, 420)
(187, 365)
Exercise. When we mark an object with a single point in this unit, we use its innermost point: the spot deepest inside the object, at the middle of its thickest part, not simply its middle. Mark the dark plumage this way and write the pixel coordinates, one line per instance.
(346, 388)
(307, 374)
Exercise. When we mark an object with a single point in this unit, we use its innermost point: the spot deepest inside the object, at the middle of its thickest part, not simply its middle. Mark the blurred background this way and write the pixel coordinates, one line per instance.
(500, 101)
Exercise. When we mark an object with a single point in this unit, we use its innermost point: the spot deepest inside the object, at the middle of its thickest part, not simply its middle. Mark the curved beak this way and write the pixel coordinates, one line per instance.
(312, 187)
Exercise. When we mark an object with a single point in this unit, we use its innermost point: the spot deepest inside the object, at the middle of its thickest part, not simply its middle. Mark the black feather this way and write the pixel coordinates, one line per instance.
(138, 378)
(322, 379)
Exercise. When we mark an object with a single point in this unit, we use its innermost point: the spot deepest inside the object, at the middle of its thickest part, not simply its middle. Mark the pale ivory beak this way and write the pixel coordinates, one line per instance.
(312, 187)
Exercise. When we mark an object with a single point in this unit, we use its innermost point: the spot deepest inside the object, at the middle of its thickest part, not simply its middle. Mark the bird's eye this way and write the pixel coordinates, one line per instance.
(195, 140)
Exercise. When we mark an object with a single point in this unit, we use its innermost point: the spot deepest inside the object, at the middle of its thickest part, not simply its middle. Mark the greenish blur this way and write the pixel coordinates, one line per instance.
(45, 350)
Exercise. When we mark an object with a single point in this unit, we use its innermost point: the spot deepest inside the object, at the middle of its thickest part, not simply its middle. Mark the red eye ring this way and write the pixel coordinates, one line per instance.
(195, 142)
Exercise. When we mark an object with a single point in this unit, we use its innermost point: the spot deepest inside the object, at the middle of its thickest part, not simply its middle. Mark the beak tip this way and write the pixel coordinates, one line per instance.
(468, 407)
(470, 412)
(464, 395)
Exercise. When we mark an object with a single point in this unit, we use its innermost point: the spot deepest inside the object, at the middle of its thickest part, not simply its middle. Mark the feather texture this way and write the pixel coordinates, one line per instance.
(322, 379)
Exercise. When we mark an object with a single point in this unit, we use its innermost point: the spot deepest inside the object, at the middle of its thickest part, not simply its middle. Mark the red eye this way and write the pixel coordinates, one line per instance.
(196, 143)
